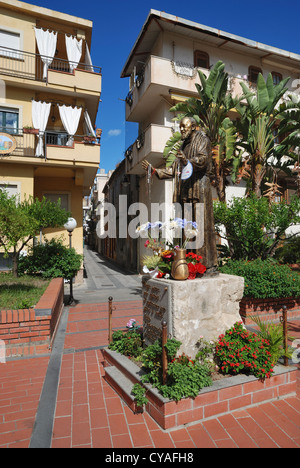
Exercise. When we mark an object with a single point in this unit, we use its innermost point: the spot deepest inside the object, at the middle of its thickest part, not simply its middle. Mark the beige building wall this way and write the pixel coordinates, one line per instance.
(64, 170)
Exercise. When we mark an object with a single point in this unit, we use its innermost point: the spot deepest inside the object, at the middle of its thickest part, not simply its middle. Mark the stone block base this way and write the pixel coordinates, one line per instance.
(203, 307)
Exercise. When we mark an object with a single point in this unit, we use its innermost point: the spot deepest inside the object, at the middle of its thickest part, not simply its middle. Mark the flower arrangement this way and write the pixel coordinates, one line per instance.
(159, 264)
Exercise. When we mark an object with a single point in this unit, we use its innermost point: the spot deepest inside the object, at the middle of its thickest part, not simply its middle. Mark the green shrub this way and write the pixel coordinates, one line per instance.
(240, 351)
(185, 378)
(127, 342)
(265, 278)
(51, 260)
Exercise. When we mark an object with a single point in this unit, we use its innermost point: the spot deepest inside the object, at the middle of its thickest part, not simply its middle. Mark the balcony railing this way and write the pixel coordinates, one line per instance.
(26, 142)
(30, 66)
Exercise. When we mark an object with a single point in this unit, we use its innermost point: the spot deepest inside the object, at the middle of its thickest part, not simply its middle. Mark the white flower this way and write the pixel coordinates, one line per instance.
(142, 228)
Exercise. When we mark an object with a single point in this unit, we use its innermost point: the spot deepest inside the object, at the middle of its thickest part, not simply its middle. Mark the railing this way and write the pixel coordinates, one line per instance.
(28, 65)
(26, 142)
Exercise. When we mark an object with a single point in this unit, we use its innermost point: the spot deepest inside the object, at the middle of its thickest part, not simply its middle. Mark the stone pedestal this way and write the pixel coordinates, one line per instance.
(201, 307)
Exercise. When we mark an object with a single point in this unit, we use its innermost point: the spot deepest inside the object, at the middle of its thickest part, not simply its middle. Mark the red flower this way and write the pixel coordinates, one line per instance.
(192, 271)
(200, 268)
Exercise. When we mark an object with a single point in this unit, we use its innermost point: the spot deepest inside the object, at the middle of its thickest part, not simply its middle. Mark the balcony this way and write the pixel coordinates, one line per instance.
(29, 66)
(162, 77)
(84, 151)
(150, 146)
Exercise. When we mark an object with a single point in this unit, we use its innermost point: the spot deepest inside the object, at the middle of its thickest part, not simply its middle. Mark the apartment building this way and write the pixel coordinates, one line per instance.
(162, 70)
(49, 97)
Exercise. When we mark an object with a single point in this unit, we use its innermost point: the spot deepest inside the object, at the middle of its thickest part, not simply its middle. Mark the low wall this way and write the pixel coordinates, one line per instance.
(224, 396)
(31, 331)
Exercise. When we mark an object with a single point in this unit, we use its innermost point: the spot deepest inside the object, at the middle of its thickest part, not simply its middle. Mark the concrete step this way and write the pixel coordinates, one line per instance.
(123, 386)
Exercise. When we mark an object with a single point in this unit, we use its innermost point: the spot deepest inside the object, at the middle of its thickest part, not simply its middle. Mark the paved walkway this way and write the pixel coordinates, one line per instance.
(62, 400)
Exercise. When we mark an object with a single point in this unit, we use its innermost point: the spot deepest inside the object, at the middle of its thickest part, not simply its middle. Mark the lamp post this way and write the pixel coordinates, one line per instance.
(70, 226)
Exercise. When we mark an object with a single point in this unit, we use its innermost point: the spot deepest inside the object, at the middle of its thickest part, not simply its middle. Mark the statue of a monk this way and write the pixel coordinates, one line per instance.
(196, 150)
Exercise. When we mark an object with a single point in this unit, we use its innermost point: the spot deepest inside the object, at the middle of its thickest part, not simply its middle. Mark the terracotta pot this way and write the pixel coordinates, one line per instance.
(32, 131)
(180, 269)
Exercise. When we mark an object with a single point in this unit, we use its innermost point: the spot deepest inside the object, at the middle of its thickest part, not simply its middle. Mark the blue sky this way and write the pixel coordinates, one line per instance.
(116, 25)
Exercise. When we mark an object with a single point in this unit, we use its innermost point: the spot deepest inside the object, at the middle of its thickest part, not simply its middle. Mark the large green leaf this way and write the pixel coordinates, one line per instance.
(171, 148)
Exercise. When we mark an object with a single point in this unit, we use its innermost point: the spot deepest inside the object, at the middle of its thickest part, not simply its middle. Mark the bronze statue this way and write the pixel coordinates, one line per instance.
(195, 154)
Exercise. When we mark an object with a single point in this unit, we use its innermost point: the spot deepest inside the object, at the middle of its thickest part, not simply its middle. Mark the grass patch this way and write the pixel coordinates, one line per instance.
(22, 292)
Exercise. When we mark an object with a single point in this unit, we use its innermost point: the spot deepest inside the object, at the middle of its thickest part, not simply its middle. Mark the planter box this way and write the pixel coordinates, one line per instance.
(223, 397)
(32, 131)
(31, 331)
(269, 309)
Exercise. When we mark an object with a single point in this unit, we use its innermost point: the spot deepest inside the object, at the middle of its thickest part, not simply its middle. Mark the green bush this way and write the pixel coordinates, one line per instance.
(240, 351)
(51, 260)
(265, 278)
(128, 343)
(185, 378)
(253, 227)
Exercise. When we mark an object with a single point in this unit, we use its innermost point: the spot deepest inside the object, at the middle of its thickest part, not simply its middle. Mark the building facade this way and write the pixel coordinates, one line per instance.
(49, 97)
(162, 70)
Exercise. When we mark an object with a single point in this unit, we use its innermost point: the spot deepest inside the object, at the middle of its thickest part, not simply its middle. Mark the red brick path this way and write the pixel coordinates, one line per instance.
(90, 414)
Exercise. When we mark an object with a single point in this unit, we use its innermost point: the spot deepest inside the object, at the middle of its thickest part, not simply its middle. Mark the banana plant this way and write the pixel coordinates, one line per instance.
(210, 110)
(259, 119)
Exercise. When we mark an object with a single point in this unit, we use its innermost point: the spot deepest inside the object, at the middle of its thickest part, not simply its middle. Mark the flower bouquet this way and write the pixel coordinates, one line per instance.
(159, 265)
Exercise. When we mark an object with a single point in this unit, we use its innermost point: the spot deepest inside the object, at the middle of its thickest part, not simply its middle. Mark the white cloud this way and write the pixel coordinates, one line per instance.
(114, 132)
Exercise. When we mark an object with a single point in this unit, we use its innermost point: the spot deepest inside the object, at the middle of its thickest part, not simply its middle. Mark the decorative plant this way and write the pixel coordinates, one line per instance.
(51, 260)
(139, 393)
(159, 264)
(258, 121)
(210, 110)
(265, 278)
(254, 228)
(273, 333)
(128, 343)
(185, 378)
(240, 351)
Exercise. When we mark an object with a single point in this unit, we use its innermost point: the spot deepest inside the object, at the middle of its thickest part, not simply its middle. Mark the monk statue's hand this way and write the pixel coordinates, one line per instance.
(182, 158)
(145, 165)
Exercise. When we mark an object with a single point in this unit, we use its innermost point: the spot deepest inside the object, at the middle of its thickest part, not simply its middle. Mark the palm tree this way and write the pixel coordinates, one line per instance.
(290, 131)
(210, 110)
(259, 120)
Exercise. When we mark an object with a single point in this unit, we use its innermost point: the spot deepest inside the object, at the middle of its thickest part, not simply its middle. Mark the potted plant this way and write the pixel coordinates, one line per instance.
(31, 130)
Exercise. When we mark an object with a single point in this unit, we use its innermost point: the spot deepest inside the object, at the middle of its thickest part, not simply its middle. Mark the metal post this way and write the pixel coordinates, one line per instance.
(110, 309)
(164, 351)
(71, 298)
(285, 337)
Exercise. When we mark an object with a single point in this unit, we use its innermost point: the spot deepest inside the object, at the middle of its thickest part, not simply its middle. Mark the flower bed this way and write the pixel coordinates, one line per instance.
(222, 397)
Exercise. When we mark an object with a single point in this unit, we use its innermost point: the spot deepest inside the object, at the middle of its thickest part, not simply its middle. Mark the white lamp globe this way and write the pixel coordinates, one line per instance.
(70, 224)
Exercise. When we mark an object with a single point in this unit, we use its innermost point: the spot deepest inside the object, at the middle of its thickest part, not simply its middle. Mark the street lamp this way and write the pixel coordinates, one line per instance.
(70, 226)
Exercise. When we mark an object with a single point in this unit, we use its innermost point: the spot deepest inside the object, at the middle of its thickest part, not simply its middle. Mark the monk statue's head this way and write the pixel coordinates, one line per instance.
(187, 127)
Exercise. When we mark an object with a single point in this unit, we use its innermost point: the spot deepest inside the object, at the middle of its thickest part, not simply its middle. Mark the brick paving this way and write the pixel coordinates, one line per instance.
(88, 413)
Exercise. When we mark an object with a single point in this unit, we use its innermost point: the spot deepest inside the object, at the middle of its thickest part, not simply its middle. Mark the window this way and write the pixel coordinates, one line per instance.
(9, 43)
(64, 199)
(253, 73)
(201, 59)
(11, 189)
(56, 138)
(277, 77)
(9, 120)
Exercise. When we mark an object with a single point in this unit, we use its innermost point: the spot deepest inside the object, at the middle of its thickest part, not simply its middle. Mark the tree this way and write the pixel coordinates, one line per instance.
(210, 110)
(20, 222)
(258, 125)
(254, 228)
